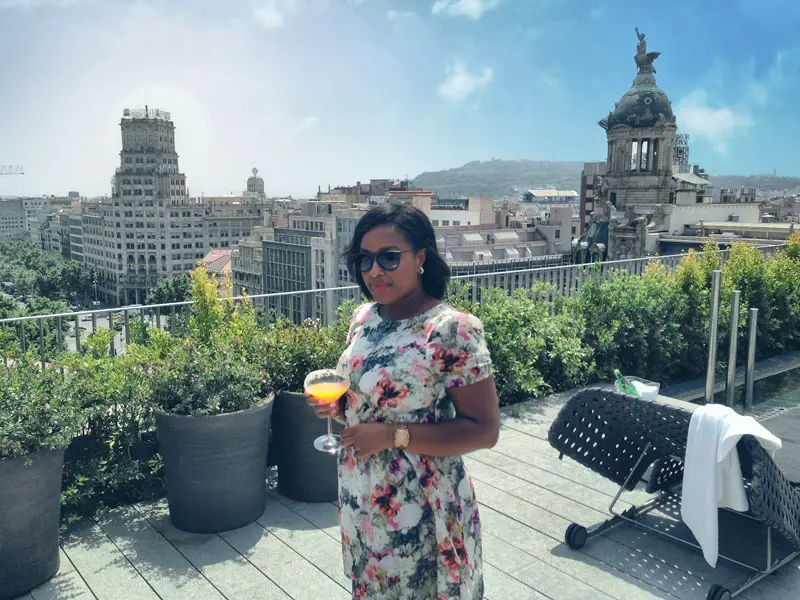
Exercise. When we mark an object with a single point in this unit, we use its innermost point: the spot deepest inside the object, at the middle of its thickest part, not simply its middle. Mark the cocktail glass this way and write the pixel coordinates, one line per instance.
(326, 386)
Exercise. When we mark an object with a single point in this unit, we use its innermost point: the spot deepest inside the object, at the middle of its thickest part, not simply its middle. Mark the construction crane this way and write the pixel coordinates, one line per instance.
(11, 170)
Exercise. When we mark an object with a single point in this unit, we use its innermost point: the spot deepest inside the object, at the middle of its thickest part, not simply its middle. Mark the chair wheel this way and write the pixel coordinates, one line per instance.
(576, 536)
(717, 592)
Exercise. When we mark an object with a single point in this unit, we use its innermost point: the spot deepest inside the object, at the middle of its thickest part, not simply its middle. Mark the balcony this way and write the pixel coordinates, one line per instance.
(527, 495)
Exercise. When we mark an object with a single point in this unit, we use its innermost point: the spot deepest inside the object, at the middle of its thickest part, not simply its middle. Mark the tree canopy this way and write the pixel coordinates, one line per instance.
(33, 271)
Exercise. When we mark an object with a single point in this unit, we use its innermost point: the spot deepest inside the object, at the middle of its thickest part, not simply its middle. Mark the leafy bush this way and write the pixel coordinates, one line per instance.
(634, 323)
(213, 370)
(36, 413)
(693, 280)
(534, 353)
(292, 351)
(784, 277)
(114, 461)
(202, 380)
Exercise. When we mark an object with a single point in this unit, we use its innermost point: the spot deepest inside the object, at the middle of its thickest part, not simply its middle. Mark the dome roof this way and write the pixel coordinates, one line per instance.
(645, 104)
(641, 106)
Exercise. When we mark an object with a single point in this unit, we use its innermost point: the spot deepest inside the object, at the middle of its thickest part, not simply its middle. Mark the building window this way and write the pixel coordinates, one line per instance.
(558, 234)
(446, 223)
(644, 163)
(435, 222)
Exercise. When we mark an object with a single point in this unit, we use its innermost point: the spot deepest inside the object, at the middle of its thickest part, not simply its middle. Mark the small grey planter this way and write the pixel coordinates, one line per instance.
(304, 473)
(215, 467)
(30, 511)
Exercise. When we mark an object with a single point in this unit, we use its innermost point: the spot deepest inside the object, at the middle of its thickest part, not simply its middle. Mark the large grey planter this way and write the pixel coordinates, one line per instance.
(304, 473)
(30, 511)
(215, 467)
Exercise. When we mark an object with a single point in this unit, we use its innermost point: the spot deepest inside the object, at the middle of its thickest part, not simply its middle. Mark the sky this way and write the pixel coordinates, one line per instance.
(319, 92)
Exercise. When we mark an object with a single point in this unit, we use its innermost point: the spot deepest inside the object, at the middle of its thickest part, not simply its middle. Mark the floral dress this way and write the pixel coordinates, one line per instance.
(410, 523)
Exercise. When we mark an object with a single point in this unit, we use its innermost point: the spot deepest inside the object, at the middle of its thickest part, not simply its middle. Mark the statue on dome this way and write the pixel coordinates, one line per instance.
(644, 59)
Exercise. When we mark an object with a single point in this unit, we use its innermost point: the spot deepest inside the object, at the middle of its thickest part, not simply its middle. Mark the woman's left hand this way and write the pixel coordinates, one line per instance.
(368, 438)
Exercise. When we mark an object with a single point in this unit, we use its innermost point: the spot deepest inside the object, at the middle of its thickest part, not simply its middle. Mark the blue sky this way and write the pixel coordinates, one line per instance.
(318, 92)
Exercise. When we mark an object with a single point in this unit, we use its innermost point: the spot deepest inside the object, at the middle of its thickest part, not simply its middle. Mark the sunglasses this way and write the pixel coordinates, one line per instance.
(388, 260)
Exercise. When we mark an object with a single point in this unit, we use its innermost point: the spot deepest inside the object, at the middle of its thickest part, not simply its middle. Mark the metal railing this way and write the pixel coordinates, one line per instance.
(57, 333)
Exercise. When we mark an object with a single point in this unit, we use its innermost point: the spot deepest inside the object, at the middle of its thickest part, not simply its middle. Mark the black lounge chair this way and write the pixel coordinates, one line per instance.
(620, 437)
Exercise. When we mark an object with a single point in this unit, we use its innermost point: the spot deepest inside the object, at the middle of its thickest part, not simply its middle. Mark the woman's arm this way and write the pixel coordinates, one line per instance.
(476, 426)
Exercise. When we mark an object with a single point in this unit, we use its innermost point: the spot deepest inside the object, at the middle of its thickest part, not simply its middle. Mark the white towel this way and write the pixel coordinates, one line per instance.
(712, 475)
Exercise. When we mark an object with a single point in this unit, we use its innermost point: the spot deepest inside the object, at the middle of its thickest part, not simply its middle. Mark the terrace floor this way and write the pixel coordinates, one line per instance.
(528, 498)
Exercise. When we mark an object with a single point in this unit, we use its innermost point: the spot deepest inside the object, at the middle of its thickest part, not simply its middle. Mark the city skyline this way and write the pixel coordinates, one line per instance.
(322, 92)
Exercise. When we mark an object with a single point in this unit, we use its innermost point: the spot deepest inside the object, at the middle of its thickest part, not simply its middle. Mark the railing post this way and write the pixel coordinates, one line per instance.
(77, 335)
(42, 348)
(711, 369)
(751, 361)
(734, 333)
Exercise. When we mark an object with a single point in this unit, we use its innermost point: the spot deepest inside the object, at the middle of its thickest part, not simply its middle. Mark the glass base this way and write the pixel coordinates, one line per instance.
(327, 443)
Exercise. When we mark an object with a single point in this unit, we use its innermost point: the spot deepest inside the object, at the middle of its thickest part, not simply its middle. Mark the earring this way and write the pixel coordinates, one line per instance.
(421, 270)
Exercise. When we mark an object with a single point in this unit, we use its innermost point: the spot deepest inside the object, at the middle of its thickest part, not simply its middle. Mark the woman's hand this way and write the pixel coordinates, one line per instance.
(368, 438)
(333, 410)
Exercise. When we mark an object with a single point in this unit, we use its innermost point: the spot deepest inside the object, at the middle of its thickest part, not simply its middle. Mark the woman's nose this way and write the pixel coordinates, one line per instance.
(375, 269)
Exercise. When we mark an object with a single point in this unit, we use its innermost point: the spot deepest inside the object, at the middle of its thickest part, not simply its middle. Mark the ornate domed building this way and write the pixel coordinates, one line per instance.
(638, 176)
(641, 134)
(648, 196)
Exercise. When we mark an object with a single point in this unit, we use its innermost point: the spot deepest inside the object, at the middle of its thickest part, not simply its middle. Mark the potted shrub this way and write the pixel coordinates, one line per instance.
(213, 409)
(37, 421)
(114, 460)
(291, 352)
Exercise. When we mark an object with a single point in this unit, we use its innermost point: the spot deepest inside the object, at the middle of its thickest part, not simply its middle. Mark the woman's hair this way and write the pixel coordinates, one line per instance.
(418, 232)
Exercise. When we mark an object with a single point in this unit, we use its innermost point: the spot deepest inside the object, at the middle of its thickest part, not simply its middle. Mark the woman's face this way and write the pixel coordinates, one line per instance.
(394, 272)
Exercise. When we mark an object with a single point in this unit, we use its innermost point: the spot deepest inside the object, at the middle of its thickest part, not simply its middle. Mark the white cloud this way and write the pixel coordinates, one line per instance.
(716, 125)
(460, 83)
(271, 14)
(472, 9)
(306, 124)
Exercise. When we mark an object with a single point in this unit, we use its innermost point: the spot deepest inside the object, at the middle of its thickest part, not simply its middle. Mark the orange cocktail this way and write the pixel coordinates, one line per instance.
(327, 392)
(326, 386)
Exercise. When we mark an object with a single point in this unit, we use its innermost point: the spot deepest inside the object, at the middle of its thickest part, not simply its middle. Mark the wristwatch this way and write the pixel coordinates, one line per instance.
(401, 436)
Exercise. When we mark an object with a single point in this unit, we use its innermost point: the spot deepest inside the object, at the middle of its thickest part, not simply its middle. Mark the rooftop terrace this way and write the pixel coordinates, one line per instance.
(528, 498)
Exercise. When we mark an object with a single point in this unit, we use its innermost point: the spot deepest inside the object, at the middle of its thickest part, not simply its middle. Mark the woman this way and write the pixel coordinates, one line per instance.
(422, 394)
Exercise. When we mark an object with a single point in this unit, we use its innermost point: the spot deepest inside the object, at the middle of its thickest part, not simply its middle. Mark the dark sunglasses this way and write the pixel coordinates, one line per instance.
(388, 260)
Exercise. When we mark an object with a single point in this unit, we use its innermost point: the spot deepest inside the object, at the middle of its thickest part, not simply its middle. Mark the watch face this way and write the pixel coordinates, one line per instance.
(401, 438)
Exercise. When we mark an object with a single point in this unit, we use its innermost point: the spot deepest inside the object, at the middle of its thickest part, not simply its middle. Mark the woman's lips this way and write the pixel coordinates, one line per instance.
(379, 287)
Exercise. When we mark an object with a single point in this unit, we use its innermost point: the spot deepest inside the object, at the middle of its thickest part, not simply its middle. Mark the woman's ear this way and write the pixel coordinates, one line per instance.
(420, 257)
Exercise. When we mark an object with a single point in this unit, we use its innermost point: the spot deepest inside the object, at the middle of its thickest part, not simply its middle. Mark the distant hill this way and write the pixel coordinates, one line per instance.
(763, 183)
(498, 178)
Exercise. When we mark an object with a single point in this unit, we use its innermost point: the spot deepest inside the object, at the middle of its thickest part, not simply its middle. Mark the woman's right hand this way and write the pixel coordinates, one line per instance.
(333, 410)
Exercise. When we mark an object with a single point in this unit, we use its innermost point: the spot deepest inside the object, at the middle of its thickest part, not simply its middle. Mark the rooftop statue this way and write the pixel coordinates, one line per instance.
(644, 59)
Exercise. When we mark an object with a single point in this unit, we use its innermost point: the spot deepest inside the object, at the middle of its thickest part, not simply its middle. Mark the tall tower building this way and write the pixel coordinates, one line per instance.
(147, 183)
(150, 229)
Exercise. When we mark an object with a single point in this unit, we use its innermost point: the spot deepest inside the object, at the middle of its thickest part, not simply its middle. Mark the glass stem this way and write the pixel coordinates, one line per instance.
(330, 430)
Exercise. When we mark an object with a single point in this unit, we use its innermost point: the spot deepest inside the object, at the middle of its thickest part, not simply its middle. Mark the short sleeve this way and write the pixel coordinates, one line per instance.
(463, 353)
(357, 319)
